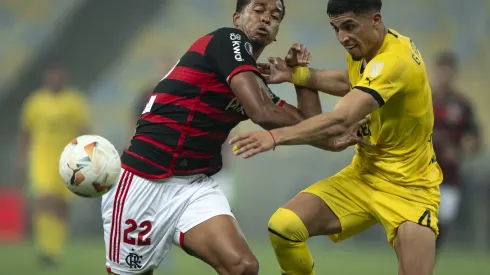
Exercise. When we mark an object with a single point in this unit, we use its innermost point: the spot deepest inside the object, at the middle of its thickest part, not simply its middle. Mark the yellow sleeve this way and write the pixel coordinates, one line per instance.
(28, 113)
(383, 77)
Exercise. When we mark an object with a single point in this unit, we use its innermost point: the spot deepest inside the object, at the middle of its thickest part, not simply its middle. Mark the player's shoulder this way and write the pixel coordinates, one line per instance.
(398, 45)
(37, 96)
(74, 94)
(228, 34)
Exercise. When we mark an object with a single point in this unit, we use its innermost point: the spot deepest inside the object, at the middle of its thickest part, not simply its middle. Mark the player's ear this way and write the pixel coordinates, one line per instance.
(236, 19)
(377, 19)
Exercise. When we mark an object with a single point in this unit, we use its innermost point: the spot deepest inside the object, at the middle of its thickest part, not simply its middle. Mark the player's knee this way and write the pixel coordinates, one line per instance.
(246, 265)
(286, 225)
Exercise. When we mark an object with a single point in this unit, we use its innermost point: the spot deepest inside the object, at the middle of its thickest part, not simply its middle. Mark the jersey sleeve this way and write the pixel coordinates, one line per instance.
(383, 77)
(230, 52)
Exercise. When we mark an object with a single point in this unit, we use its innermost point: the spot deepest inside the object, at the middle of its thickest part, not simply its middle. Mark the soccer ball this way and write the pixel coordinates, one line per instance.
(89, 166)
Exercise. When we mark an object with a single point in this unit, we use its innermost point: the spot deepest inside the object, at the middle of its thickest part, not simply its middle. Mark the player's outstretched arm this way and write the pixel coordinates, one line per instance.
(256, 100)
(350, 111)
(308, 100)
(333, 82)
(332, 131)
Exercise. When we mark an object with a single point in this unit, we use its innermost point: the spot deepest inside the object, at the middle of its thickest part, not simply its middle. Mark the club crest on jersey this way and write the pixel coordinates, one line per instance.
(249, 48)
(236, 42)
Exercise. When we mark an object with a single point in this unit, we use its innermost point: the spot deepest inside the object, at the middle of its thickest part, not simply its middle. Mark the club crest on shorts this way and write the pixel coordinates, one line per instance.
(134, 260)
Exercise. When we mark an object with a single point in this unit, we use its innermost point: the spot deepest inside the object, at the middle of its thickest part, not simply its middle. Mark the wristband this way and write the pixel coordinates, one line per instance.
(270, 133)
(300, 76)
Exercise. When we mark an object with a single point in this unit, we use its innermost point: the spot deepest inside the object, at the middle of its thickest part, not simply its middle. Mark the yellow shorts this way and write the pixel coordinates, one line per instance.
(361, 200)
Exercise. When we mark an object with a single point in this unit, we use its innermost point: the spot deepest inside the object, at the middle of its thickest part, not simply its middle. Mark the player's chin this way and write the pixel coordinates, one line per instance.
(355, 53)
(261, 41)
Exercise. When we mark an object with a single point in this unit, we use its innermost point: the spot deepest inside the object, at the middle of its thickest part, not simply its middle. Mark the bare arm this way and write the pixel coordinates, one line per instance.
(332, 82)
(352, 108)
(254, 96)
(308, 104)
(308, 101)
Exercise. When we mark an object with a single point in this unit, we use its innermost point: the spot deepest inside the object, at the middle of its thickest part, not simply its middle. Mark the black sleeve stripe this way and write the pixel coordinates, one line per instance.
(372, 92)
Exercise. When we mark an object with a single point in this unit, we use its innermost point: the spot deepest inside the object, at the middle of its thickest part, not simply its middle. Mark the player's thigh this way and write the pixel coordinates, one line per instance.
(208, 230)
(415, 248)
(395, 205)
(337, 206)
(139, 219)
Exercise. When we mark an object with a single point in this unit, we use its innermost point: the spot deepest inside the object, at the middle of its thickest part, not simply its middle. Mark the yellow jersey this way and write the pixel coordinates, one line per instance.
(52, 120)
(401, 129)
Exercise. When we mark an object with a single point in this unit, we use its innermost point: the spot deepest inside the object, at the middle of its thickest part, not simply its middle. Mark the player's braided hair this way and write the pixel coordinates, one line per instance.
(241, 4)
(338, 7)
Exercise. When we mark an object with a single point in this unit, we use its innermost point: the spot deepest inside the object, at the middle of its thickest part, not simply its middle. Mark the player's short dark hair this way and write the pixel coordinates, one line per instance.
(241, 4)
(338, 7)
(447, 58)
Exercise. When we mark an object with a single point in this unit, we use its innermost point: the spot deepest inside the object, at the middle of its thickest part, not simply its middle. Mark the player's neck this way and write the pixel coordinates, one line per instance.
(54, 89)
(374, 51)
(257, 51)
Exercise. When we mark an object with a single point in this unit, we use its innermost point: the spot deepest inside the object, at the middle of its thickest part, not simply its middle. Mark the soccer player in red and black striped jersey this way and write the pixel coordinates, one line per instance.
(166, 193)
(456, 135)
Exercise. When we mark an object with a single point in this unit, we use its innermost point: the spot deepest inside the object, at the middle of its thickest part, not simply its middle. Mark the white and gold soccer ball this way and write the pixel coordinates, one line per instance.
(90, 166)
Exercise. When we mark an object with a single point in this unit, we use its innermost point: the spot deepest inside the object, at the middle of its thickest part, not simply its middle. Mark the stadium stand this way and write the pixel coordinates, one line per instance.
(26, 29)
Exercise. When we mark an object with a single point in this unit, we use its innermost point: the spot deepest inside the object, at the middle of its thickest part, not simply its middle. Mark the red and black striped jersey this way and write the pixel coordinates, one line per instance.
(453, 119)
(192, 110)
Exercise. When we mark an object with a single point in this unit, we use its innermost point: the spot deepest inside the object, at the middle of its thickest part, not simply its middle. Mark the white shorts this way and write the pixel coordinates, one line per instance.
(142, 218)
(450, 199)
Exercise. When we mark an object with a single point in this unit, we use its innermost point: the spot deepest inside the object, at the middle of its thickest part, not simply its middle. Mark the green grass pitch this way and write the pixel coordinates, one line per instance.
(87, 257)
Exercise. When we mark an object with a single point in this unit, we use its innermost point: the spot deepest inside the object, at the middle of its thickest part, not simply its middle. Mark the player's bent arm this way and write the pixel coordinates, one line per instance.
(308, 101)
(352, 108)
(254, 96)
(332, 82)
(308, 104)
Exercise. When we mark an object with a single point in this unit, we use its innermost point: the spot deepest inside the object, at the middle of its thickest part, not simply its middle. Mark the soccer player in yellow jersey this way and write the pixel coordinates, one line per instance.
(395, 179)
(51, 117)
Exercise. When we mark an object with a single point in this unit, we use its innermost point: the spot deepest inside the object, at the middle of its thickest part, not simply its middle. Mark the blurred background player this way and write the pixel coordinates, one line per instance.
(51, 117)
(456, 136)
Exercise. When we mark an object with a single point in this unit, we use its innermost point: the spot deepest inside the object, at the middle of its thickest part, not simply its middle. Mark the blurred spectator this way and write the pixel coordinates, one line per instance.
(456, 136)
(51, 117)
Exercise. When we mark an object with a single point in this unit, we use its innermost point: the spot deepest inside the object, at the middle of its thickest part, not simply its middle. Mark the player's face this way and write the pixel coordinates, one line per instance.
(357, 32)
(55, 78)
(260, 21)
(445, 75)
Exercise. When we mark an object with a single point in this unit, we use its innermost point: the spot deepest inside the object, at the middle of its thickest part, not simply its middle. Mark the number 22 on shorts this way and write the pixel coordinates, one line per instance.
(142, 239)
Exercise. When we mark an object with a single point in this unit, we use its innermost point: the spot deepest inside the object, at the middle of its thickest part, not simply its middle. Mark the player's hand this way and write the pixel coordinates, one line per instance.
(298, 55)
(276, 71)
(349, 138)
(252, 143)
